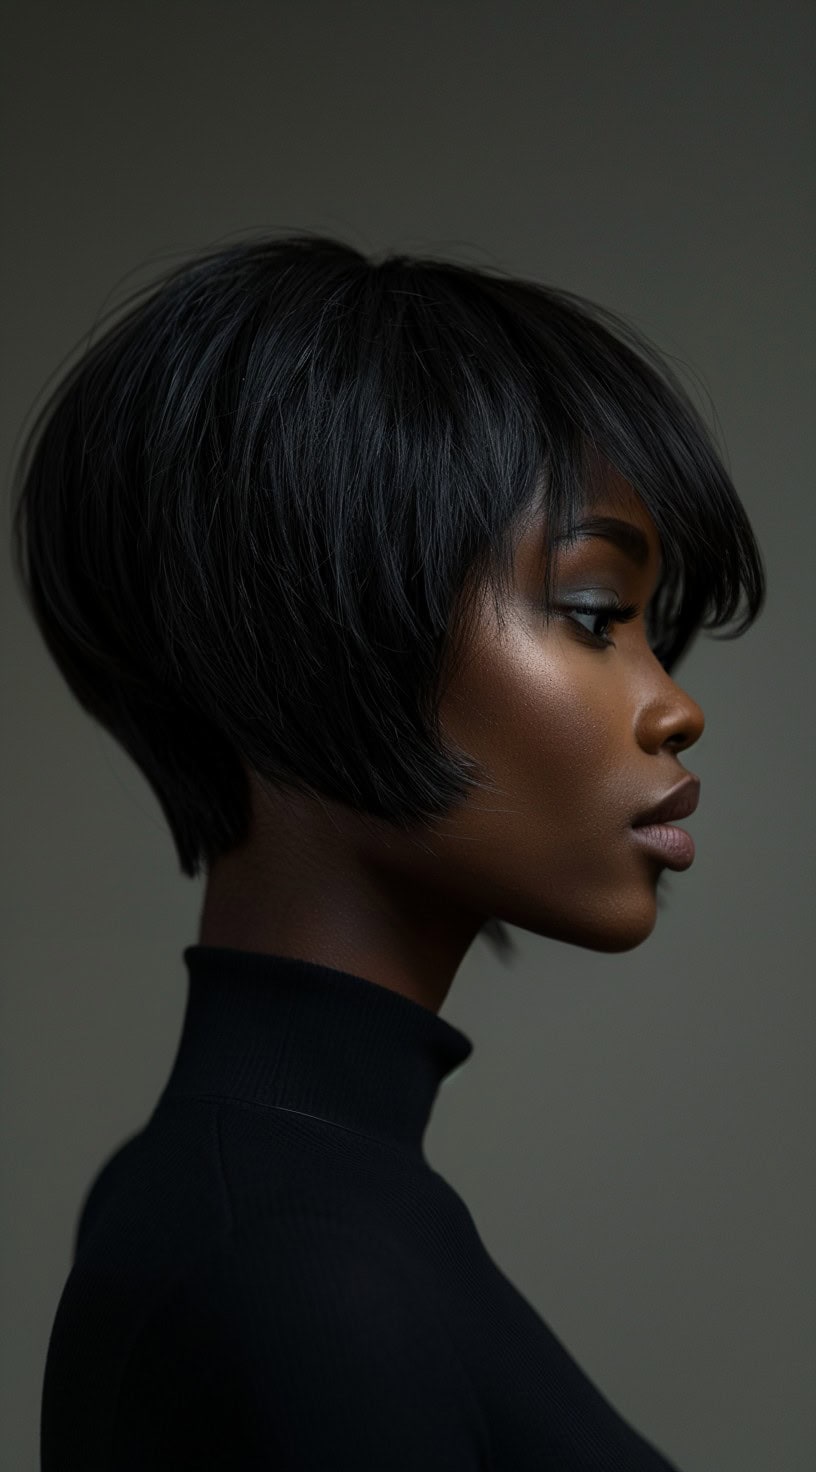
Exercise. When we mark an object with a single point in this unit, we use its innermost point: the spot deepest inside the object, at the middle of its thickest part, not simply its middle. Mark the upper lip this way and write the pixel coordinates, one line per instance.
(679, 803)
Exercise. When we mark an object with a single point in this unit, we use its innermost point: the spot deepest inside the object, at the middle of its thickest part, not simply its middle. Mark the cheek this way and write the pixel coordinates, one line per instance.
(541, 724)
(547, 847)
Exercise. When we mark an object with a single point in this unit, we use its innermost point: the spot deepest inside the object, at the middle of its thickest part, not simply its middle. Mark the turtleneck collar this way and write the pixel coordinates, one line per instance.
(296, 1035)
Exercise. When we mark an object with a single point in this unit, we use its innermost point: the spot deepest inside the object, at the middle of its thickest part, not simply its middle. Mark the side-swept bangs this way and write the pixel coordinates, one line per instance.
(257, 518)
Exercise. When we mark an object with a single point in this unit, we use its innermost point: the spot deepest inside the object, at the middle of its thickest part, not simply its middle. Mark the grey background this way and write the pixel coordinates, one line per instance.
(633, 1132)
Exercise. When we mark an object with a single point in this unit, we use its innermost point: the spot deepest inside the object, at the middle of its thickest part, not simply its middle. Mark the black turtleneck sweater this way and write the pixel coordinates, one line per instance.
(271, 1276)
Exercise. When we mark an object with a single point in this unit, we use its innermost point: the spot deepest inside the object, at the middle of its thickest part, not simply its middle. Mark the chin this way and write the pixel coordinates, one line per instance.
(621, 927)
(628, 927)
(624, 938)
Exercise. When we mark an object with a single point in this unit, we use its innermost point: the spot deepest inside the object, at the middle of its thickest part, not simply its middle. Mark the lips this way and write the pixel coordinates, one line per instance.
(680, 802)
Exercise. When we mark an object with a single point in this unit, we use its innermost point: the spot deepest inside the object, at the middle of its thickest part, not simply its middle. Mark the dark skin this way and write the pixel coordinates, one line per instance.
(577, 738)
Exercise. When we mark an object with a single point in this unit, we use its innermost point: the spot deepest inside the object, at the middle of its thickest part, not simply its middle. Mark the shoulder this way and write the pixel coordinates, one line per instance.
(337, 1340)
(303, 1269)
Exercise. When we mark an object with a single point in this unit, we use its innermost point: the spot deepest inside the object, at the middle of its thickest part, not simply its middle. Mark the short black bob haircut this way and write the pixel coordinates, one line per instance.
(257, 517)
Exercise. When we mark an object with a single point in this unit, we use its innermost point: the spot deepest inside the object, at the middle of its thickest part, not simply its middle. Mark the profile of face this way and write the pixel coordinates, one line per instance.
(578, 728)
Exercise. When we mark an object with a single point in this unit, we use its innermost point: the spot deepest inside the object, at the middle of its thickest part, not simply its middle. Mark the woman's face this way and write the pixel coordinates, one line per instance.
(578, 736)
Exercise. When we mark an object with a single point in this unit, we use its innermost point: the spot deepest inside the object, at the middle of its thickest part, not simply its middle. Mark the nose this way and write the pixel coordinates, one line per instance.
(675, 721)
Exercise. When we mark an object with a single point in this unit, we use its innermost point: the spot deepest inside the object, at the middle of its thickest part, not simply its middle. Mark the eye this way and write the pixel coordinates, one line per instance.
(605, 613)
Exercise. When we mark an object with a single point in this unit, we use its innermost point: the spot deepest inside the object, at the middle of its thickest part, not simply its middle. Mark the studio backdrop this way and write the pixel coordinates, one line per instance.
(634, 1132)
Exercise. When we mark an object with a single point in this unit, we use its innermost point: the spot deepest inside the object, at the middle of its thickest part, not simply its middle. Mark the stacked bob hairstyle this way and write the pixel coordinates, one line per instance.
(258, 515)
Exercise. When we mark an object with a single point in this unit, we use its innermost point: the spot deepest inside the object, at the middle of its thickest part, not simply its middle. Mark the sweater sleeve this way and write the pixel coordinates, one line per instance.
(321, 1354)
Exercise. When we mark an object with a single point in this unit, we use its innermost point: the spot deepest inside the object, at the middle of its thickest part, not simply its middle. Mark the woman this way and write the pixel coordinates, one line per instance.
(380, 571)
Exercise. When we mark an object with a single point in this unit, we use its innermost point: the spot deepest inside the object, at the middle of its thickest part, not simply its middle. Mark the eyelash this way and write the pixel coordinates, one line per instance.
(611, 613)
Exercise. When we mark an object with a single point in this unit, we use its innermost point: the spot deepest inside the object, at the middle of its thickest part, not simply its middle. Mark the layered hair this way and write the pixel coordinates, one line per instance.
(256, 519)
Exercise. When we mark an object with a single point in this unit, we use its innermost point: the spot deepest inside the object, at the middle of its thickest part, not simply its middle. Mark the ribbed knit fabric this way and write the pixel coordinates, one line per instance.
(269, 1275)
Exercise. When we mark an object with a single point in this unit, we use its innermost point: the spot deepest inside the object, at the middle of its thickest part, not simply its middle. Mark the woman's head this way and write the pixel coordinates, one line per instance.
(273, 518)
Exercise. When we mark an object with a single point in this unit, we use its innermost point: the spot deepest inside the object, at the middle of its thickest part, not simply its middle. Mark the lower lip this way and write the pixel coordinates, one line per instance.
(673, 845)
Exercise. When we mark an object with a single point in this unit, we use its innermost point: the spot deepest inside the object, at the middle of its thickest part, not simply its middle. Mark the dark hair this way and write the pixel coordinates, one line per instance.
(261, 511)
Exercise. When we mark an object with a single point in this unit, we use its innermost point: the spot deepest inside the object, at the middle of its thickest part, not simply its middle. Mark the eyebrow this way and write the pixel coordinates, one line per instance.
(631, 540)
